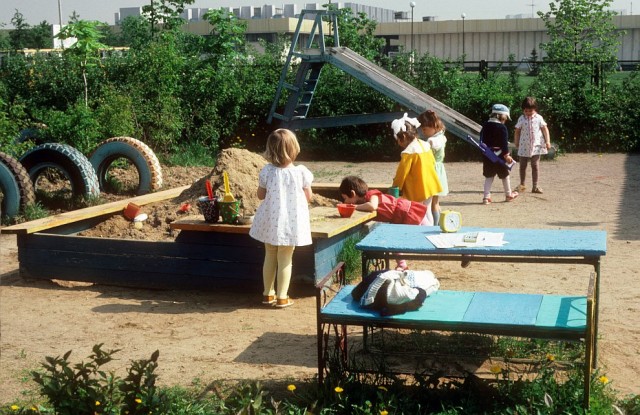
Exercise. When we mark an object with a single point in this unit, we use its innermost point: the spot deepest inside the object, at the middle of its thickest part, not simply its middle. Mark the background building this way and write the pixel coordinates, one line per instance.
(492, 40)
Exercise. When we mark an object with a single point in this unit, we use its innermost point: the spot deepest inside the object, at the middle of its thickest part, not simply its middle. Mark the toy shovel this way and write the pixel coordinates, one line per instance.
(228, 196)
(207, 184)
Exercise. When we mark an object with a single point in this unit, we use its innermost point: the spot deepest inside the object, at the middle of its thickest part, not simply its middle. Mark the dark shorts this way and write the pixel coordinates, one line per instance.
(490, 169)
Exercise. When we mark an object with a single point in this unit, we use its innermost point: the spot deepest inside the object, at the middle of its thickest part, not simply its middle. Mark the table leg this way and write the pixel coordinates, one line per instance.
(596, 314)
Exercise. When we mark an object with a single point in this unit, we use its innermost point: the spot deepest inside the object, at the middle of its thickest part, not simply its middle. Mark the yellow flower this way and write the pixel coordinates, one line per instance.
(338, 389)
(550, 357)
(603, 379)
(97, 403)
(495, 369)
(14, 407)
(384, 412)
(138, 400)
(291, 388)
(382, 388)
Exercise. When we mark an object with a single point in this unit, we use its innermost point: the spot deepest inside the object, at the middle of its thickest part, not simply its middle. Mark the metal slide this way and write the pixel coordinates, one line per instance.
(402, 92)
(312, 59)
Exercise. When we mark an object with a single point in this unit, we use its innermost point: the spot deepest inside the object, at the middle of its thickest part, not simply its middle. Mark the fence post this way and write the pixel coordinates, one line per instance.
(484, 69)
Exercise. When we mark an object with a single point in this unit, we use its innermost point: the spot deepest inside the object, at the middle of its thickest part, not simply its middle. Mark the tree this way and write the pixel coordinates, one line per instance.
(227, 35)
(166, 12)
(582, 47)
(581, 30)
(4, 39)
(135, 32)
(26, 36)
(74, 17)
(19, 36)
(41, 36)
(86, 50)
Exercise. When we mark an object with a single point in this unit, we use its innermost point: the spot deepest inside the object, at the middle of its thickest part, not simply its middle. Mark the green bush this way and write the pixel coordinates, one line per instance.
(114, 113)
(86, 389)
(12, 120)
(77, 126)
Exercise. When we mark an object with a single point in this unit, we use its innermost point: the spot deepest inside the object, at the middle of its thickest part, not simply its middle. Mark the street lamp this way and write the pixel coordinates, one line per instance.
(412, 4)
(60, 22)
(463, 15)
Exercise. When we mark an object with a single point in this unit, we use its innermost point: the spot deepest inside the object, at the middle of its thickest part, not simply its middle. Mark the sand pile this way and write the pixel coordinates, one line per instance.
(242, 167)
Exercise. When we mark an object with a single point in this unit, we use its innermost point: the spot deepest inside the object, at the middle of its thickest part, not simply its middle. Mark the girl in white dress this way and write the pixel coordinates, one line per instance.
(282, 219)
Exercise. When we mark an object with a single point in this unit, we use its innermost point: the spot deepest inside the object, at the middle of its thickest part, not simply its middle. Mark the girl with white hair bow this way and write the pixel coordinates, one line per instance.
(416, 174)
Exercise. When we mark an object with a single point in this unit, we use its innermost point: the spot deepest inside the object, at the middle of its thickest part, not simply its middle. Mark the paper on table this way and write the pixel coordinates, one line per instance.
(452, 240)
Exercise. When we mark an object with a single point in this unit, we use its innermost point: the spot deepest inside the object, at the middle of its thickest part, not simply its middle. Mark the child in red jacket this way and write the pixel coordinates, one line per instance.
(388, 208)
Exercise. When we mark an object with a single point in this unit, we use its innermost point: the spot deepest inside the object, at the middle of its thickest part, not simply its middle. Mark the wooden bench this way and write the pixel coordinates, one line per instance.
(540, 316)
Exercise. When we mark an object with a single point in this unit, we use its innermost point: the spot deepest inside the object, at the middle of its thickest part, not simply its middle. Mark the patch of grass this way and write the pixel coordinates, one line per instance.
(511, 347)
(113, 185)
(191, 154)
(352, 258)
(327, 174)
(31, 211)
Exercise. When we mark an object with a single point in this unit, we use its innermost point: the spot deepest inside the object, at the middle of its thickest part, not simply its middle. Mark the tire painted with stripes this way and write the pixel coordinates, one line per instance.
(16, 186)
(142, 157)
(75, 166)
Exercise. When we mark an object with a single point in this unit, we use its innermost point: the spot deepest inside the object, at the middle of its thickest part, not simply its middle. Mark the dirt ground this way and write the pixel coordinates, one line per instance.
(204, 336)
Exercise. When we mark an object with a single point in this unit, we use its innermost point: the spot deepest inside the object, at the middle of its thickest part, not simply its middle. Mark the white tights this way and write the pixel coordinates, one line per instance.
(488, 181)
(428, 217)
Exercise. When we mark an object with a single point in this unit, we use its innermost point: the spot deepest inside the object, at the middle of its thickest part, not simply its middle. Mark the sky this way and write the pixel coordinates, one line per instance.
(35, 11)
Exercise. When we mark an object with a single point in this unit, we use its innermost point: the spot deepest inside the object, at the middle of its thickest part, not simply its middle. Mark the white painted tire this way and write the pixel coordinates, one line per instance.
(15, 185)
(142, 157)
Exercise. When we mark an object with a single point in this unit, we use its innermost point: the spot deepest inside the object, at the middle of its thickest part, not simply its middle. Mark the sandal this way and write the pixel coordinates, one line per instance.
(284, 302)
(521, 188)
(486, 201)
(537, 190)
(268, 299)
(511, 197)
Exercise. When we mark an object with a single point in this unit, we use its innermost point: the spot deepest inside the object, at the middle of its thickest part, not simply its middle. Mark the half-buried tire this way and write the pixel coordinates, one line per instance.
(15, 185)
(137, 152)
(72, 163)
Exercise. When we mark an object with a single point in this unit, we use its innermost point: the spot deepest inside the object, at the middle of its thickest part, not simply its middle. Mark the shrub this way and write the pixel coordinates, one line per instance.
(77, 127)
(85, 388)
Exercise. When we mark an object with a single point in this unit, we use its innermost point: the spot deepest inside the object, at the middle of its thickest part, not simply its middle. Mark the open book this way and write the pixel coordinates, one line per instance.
(467, 239)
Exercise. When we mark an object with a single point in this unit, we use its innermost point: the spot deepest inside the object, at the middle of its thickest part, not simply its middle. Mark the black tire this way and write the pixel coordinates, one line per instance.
(145, 160)
(71, 162)
(15, 185)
